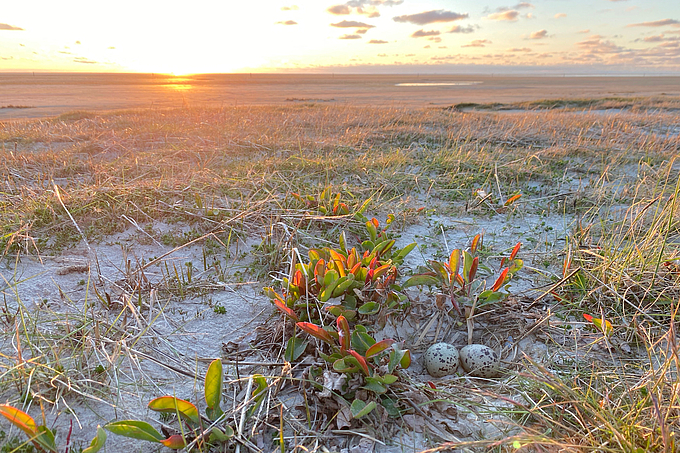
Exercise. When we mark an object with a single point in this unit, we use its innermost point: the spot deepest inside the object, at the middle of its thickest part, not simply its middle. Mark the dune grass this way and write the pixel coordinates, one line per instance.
(226, 175)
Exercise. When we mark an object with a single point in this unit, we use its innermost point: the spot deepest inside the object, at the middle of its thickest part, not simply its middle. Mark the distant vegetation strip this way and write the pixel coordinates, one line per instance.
(10, 106)
(549, 104)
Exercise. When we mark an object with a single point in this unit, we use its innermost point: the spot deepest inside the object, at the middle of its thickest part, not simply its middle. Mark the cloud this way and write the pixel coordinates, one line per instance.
(559, 15)
(423, 33)
(519, 49)
(289, 8)
(362, 3)
(339, 10)
(478, 43)
(618, 0)
(657, 23)
(587, 30)
(540, 34)
(430, 17)
(460, 29)
(287, 22)
(657, 38)
(510, 16)
(352, 24)
(84, 60)
(350, 37)
(9, 27)
(523, 5)
(377, 41)
(596, 45)
(365, 7)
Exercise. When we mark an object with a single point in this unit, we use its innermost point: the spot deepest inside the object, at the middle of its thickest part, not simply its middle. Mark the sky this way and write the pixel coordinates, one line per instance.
(387, 36)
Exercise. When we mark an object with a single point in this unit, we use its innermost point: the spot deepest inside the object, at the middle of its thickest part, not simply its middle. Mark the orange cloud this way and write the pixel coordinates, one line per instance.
(431, 17)
(510, 16)
(352, 24)
(478, 43)
(657, 23)
(460, 29)
(423, 33)
(9, 27)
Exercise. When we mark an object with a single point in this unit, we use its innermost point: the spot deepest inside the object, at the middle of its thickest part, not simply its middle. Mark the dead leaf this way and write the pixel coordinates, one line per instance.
(344, 418)
(364, 446)
(332, 382)
(415, 422)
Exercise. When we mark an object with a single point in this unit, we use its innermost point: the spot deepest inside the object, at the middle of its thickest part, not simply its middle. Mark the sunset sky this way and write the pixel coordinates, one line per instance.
(203, 36)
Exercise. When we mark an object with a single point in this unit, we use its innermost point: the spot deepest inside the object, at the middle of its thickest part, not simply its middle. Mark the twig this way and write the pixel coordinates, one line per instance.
(242, 422)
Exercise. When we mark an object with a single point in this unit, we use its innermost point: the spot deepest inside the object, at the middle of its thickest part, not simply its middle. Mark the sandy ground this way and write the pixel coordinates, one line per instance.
(54, 94)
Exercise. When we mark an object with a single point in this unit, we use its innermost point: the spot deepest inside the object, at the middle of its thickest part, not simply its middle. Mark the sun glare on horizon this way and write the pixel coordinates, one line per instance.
(365, 35)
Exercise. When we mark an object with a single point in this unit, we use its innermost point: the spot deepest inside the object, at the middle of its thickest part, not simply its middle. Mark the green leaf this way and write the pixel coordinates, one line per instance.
(421, 280)
(369, 308)
(330, 276)
(98, 441)
(372, 231)
(405, 251)
(216, 435)
(441, 271)
(343, 285)
(294, 349)
(387, 379)
(45, 439)
(172, 405)
(361, 341)
(489, 296)
(405, 361)
(258, 393)
(327, 292)
(213, 384)
(134, 429)
(396, 357)
(467, 265)
(390, 406)
(360, 408)
(346, 365)
(262, 385)
(384, 246)
(343, 242)
(362, 209)
(213, 413)
(374, 386)
(516, 265)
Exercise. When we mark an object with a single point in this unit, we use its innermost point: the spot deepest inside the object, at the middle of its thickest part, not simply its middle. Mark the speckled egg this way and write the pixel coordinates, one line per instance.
(479, 360)
(441, 359)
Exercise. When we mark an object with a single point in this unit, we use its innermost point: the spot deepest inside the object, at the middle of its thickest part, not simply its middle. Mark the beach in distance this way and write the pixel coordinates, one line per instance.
(36, 95)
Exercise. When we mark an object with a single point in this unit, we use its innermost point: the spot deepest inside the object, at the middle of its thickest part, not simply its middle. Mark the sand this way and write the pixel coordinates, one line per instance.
(51, 94)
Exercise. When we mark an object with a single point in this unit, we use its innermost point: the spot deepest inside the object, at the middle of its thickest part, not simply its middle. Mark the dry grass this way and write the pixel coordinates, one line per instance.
(226, 175)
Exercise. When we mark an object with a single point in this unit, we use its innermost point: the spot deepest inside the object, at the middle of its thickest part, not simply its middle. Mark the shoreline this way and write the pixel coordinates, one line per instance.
(53, 94)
